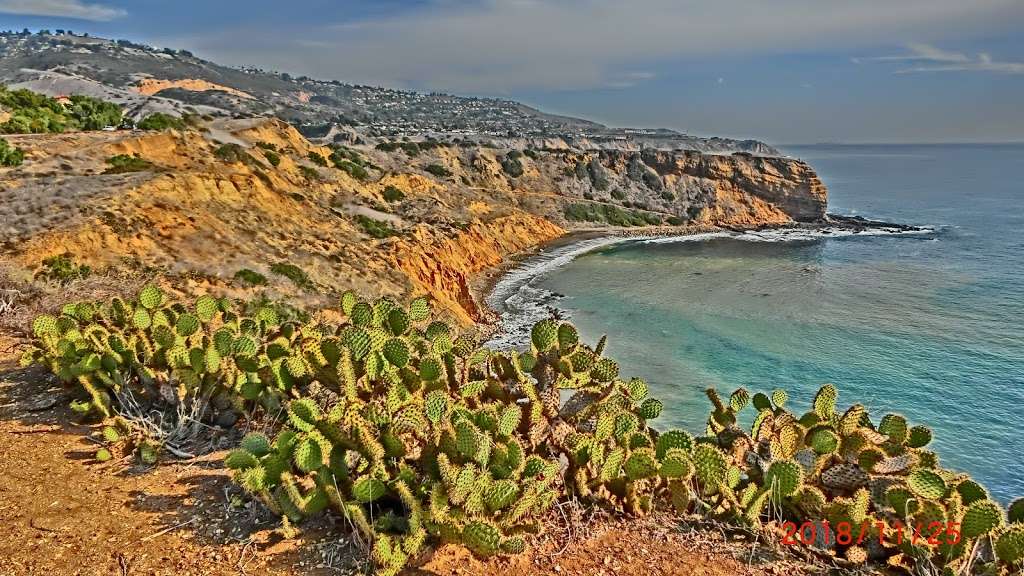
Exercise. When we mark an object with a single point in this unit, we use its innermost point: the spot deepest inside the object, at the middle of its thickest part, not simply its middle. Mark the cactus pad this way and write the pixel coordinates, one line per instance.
(710, 467)
(844, 477)
(481, 537)
(783, 478)
(1015, 512)
(926, 484)
(825, 401)
(919, 437)
(1010, 545)
(673, 439)
(544, 335)
(640, 464)
(368, 489)
(980, 518)
(151, 297)
(605, 370)
(650, 409)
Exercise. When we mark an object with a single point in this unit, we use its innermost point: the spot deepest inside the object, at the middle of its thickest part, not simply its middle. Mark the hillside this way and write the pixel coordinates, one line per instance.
(146, 79)
(208, 203)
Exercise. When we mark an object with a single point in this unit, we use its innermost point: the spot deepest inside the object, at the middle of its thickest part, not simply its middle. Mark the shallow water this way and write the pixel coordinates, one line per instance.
(930, 325)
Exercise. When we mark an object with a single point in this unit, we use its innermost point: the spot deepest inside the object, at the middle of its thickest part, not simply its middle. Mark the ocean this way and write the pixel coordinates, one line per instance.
(930, 325)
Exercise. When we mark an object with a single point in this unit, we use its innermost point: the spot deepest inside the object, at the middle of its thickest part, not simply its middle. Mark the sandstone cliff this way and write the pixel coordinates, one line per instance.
(247, 195)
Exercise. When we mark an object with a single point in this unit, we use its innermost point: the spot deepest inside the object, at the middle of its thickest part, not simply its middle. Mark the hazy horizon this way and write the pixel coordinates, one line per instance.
(790, 73)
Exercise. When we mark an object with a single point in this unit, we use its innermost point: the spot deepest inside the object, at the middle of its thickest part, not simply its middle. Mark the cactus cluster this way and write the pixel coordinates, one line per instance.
(843, 467)
(163, 353)
(420, 434)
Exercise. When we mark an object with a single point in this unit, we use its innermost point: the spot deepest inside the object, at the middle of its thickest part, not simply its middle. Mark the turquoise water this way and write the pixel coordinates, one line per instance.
(928, 325)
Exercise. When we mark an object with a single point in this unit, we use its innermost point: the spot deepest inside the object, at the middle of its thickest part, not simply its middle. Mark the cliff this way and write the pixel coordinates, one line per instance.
(246, 194)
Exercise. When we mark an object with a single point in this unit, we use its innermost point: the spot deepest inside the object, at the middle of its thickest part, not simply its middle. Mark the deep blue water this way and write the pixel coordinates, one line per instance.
(931, 326)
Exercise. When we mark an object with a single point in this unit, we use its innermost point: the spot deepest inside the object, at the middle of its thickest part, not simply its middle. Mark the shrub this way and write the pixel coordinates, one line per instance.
(618, 194)
(160, 121)
(676, 220)
(352, 169)
(375, 228)
(272, 157)
(438, 170)
(292, 272)
(9, 155)
(251, 277)
(309, 173)
(233, 153)
(62, 268)
(512, 165)
(31, 112)
(613, 215)
(267, 146)
(392, 194)
(123, 163)
(668, 196)
(317, 158)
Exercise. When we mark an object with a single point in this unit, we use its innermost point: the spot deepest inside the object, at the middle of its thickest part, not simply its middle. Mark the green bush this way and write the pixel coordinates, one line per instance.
(392, 194)
(251, 277)
(9, 155)
(438, 170)
(668, 196)
(35, 113)
(613, 215)
(352, 169)
(512, 165)
(618, 194)
(410, 148)
(272, 157)
(317, 159)
(159, 121)
(123, 163)
(375, 228)
(676, 220)
(309, 173)
(292, 272)
(62, 268)
(233, 153)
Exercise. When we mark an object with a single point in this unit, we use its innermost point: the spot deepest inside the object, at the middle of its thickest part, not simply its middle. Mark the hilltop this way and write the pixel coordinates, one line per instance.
(145, 79)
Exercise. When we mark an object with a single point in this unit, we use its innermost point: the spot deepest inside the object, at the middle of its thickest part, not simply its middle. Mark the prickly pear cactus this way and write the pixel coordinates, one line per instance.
(841, 467)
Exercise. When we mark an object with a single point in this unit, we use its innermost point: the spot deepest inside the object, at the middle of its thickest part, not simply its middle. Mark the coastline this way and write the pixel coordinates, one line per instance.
(577, 242)
(483, 284)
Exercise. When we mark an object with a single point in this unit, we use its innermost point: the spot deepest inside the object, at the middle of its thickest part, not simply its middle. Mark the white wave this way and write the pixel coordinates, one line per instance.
(790, 234)
(520, 303)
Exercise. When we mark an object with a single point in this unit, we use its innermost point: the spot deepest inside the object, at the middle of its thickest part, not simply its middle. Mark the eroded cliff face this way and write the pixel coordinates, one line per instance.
(444, 265)
(422, 223)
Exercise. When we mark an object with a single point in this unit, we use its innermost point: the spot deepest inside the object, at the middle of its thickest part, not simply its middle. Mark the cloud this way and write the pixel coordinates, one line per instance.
(61, 9)
(501, 46)
(927, 58)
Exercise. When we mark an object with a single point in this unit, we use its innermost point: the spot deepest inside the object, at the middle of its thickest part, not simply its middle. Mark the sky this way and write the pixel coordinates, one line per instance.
(784, 71)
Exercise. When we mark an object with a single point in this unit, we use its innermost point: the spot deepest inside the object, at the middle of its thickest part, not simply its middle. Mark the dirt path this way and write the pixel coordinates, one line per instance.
(63, 513)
